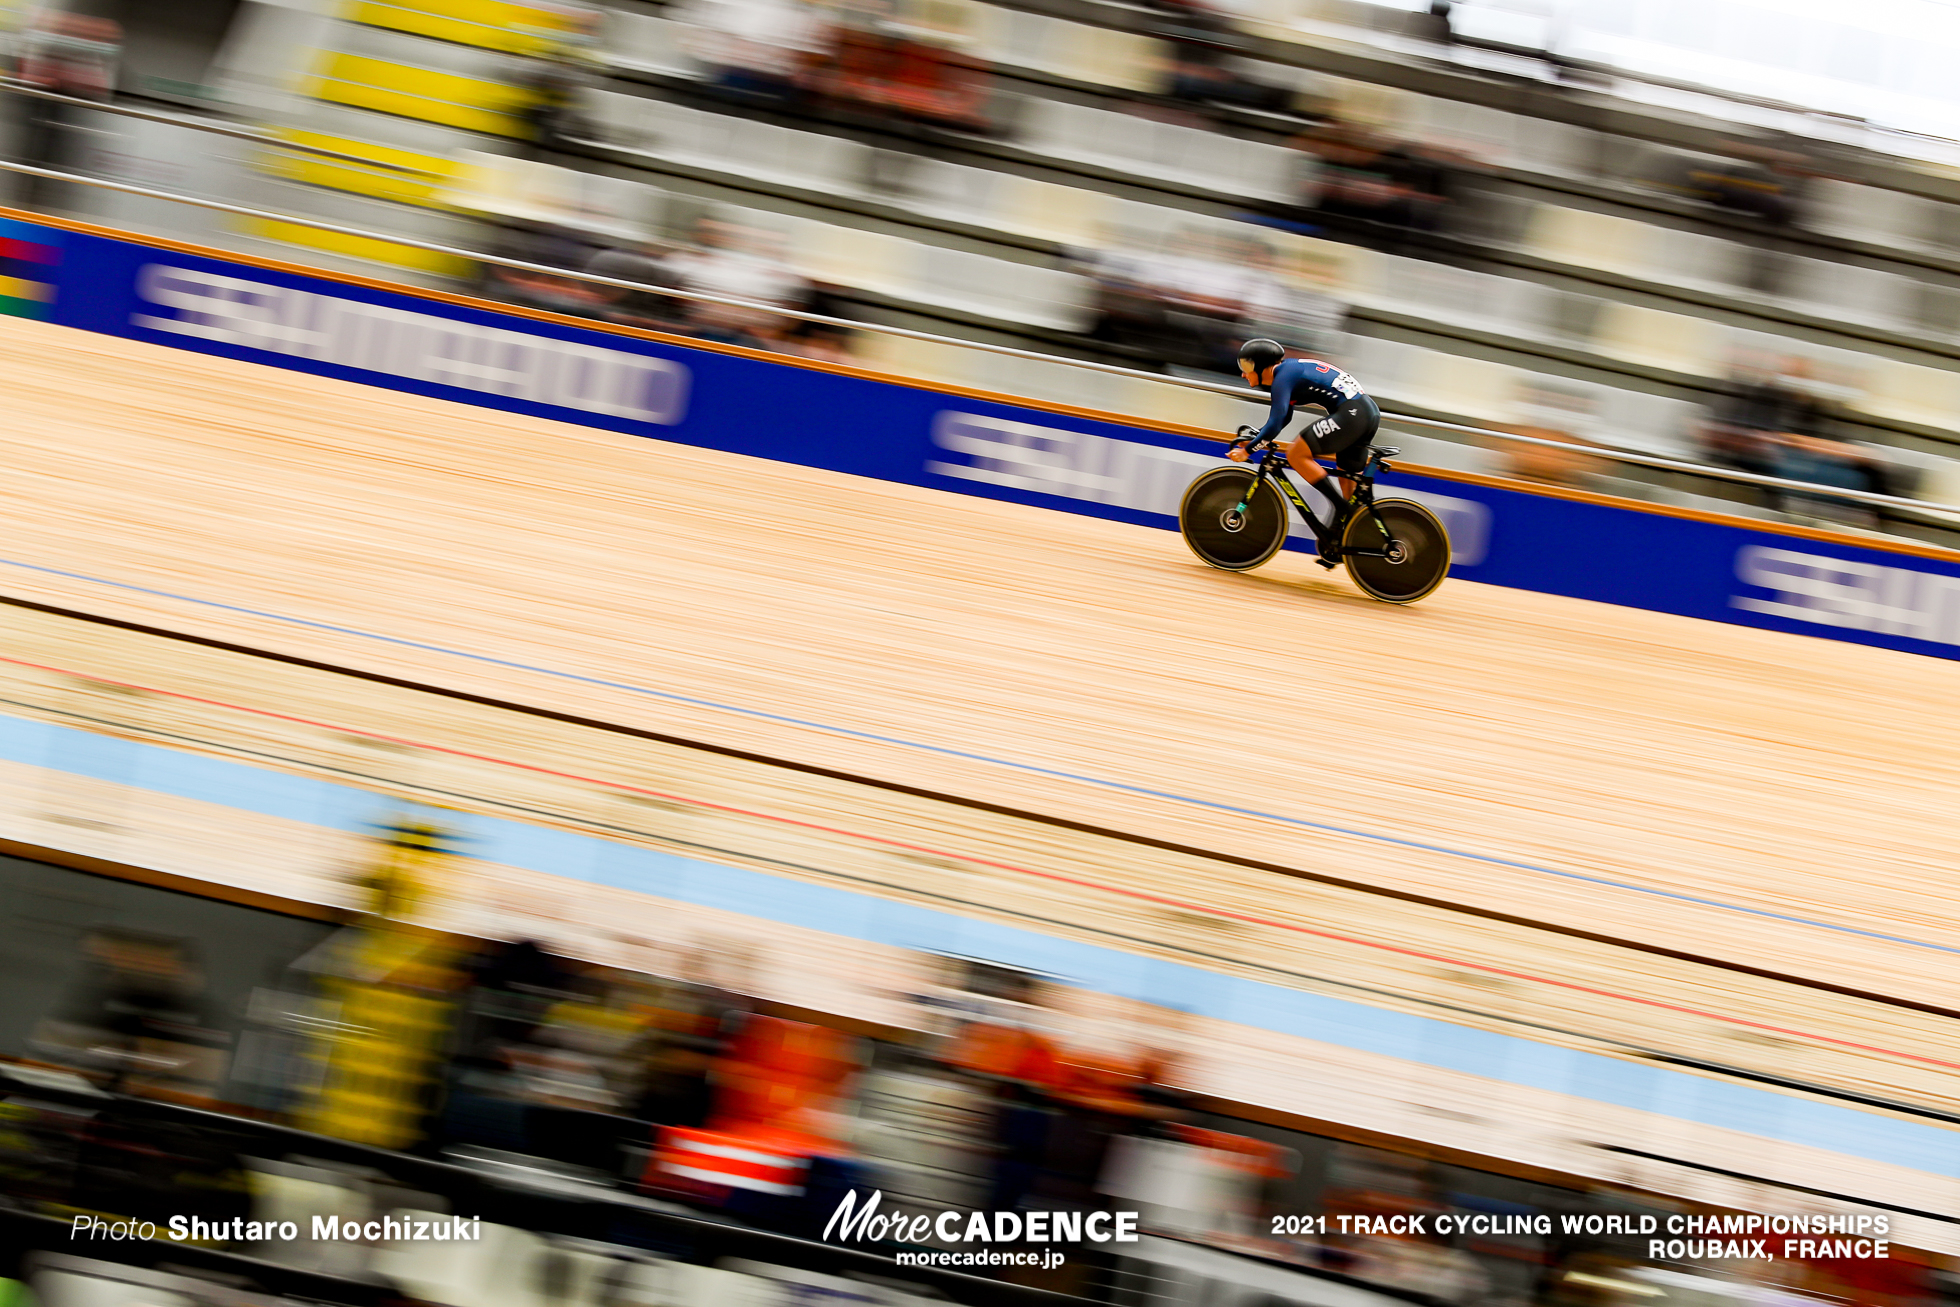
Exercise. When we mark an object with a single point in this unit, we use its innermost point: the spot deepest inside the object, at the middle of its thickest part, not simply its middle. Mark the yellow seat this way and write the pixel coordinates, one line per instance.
(419, 186)
(469, 103)
(357, 247)
(488, 24)
(337, 176)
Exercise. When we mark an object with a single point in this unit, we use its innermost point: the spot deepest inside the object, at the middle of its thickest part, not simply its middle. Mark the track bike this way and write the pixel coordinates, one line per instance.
(1234, 518)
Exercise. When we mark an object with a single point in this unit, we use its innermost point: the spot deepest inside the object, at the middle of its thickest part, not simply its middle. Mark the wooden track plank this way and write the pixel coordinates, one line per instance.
(1504, 976)
(1787, 775)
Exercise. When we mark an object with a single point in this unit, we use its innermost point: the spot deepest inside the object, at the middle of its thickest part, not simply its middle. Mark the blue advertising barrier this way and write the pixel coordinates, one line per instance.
(1721, 570)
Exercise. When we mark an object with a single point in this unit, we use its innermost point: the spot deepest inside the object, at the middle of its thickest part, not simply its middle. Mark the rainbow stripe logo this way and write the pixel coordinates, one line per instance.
(28, 256)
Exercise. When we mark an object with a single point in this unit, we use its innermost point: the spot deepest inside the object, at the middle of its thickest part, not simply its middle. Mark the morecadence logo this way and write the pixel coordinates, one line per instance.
(855, 1222)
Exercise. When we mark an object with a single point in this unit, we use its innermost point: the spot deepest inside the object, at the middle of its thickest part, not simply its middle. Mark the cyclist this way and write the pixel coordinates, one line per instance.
(1344, 434)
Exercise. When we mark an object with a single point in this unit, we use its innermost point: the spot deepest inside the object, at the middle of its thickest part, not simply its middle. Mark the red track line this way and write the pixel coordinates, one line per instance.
(887, 842)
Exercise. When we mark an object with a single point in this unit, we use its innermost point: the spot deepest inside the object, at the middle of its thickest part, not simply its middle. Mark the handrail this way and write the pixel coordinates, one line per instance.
(199, 125)
(1213, 387)
(1681, 465)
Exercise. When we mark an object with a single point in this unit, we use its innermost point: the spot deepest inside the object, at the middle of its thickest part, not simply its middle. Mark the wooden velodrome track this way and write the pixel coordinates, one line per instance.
(1780, 803)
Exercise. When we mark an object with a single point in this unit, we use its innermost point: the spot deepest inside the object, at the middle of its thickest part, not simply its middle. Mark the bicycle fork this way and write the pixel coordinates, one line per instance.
(1236, 518)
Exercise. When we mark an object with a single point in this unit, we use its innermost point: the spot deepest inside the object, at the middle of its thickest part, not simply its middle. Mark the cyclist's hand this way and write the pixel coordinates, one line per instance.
(1237, 453)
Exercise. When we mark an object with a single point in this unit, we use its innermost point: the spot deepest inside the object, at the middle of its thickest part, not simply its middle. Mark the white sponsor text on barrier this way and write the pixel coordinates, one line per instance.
(1854, 595)
(416, 346)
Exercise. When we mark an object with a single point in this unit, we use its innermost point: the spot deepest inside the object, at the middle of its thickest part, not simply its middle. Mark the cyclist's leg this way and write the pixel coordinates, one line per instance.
(1359, 420)
(1303, 454)
(1345, 434)
(1303, 457)
(1352, 462)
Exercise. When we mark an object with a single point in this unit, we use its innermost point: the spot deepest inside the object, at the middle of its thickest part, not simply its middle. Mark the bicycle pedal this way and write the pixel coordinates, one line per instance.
(1329, 563)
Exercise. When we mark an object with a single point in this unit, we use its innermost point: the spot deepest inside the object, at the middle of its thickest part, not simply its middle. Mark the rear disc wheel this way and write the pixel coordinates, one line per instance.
(1221, 533)
(1418, 544)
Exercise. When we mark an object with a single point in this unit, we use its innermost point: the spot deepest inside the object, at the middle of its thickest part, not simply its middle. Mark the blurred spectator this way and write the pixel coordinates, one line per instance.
(1436, 23)
(147, 1161)
(1206, 67)
(71, 54)
(1766, 180)
(1566, 466)
(724, 260)
(1737, 434)
(1826, 460)
(578, 37)
(67, 54)
(904, 60)
(822, 342)
(770, 1113)
(760, 50)
(784, 1079)
(509, 989)
(381, 1058)
(1424, 1265)
(1128, 310)
(554, 1059)
(550, 247)
(894, 61)
(388, 986)
(1741, 187)
(646, 263)
(741, 263)
(1778, 421)
(556, 77)
(555, 114)
(685, 1040)
(1366, 177)
(134, 1018)
(1314, 319)
(1191, 309)
(1593, 1277)
(1160, 1104)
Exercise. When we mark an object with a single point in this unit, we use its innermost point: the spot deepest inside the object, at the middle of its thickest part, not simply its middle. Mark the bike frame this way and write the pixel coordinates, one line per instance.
(1273, 466)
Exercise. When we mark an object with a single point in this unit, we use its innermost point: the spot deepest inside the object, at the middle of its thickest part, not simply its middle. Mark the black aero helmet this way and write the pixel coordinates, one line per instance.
(1261, 354)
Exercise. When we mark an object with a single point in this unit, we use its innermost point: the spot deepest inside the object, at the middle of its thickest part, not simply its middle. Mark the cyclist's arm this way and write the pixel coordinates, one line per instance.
(1282, 411)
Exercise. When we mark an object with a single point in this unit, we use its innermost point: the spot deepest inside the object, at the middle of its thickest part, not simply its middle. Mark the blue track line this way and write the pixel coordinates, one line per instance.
(1099, 782)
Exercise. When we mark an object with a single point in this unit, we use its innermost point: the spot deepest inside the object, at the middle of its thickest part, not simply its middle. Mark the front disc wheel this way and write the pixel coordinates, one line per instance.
(1232, 520)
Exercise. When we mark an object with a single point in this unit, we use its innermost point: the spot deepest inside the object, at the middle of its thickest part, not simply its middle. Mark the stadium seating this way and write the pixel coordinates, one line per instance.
(452, 151)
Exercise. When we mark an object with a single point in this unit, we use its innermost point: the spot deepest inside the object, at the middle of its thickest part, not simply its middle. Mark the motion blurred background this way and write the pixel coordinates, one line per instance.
(1721, 234)
(1722, 237)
